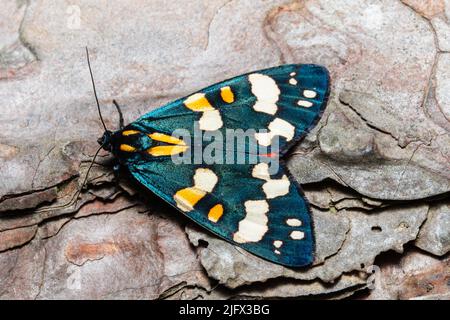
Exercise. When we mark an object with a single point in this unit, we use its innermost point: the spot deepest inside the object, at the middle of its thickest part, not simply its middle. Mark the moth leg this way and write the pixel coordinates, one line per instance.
(116, 179)
(101, 164)
(116, 171)
(121, 122)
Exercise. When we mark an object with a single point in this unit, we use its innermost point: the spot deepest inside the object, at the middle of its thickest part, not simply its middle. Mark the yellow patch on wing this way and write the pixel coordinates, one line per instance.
(166, 150)
(198, 102)
(215, 213)
(127, 148)
(210, 119)
(226, 94)
(204, 182)
(165, 138)
(129, 132)
(187, 198)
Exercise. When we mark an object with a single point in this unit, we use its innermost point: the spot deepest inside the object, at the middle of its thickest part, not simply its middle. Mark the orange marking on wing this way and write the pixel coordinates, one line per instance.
(127, 148)
(165, 138)
(187, 198)
(129, 132)
(226, 94)
(166, 150)
(215, 213)
(198, 102)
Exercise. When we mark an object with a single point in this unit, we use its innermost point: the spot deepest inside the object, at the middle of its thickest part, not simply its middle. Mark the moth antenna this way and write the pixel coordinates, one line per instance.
(95, 91)
(121, 123)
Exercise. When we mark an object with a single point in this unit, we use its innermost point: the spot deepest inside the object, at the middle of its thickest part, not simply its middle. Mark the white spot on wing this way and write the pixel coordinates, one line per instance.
(282, 128)
(276, 187)
(277, 243)
(266, 107)
(261, 171)
(293, 81)
(304, 103)
(210, 120)
(253, 227)
(273, 187)
(292, 74)
(277, 251)
(309, 94)
(277, 127)
(205, 179)
(264, 138)
(266, 92)
(293, 222)
(297, 235)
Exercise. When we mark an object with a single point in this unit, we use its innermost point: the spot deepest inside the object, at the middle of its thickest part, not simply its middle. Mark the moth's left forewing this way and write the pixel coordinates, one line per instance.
(287, 101)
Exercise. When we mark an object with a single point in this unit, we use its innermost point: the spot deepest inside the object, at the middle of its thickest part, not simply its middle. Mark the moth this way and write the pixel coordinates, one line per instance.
(262, 212)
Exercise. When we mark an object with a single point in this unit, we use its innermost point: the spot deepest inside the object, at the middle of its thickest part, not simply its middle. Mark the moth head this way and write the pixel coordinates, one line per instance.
(105, 141)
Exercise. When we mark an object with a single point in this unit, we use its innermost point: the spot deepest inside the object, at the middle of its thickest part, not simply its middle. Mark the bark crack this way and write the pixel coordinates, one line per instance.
(39, 164)
(44, 267)
(405, 167)
(372, 126)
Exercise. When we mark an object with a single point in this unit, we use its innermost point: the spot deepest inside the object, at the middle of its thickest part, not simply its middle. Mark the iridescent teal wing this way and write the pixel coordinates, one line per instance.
(287, 100)
(266, 215)
(260, 210)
